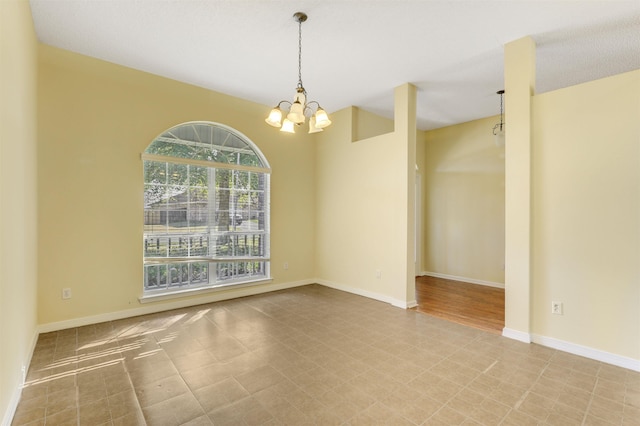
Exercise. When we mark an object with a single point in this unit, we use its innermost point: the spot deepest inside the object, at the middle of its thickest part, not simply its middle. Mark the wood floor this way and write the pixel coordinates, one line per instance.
(474, 305)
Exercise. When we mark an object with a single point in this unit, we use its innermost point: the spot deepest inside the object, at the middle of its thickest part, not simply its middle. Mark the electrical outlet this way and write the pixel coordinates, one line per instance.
(66, 293)
(286, 266)
(378, 273)
(556, 308)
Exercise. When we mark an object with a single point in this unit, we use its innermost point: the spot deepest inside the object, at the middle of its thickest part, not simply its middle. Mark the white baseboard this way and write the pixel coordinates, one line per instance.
(587, 352)
(167, 306)
(369, 294)
(12, 407)
(17, 392)
(574, 348)
(463, 279)
(521, 336)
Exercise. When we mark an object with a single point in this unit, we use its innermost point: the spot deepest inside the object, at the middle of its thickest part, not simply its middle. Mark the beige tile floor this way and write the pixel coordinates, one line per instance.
(313, 355)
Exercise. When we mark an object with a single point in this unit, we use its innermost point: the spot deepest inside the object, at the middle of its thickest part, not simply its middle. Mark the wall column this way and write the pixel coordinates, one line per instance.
(405, 131)
(519, 76)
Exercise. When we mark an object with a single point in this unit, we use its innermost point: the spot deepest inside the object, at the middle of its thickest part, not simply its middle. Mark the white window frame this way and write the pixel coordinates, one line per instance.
(241, 265)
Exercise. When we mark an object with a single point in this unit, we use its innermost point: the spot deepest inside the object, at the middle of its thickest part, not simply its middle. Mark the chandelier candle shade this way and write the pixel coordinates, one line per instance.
(299, 109)
(498, 129)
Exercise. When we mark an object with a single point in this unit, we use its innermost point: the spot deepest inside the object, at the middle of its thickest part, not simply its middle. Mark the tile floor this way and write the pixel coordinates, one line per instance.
(313, 355)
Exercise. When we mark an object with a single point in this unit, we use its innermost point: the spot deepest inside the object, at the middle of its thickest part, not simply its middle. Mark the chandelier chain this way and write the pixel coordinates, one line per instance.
(501, 110)
(300, 55)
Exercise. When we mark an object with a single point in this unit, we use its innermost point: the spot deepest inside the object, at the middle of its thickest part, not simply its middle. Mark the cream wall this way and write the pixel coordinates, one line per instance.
(18, 203)
(363, 209)
(586, 214)
(366, 124)
(95, 118)
(463, 202)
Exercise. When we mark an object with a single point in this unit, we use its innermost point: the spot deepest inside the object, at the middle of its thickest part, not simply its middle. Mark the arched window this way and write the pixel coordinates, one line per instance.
(206, 210)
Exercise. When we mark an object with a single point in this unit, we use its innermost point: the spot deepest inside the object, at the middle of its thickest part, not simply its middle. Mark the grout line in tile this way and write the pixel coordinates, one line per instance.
(490, 367)
(77, 404)
(586, 411)
(133, 388)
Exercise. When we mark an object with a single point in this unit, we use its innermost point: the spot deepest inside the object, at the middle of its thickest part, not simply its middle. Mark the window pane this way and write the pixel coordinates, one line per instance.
(162, 275)
(177, 219)
(199, 176)
(223, 179)
(178, 175)
(198, 209)
(249, 159)
(199, 245)
(241, 179)
(199, 273)
(222, 246)
(151, 274)
(178, 246)
(154, 195)
(155, 172)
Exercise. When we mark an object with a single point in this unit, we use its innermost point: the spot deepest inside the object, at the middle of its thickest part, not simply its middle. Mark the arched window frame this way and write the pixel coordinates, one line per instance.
(200, 237)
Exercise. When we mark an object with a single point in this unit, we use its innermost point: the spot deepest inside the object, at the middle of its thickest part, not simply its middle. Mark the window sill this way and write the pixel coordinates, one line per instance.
(198, 291)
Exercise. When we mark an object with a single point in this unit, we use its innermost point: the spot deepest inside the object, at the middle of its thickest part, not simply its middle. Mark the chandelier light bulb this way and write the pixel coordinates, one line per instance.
(322, 119)
(287, 126)
(313, 128)
(296, 113)
(275, 117)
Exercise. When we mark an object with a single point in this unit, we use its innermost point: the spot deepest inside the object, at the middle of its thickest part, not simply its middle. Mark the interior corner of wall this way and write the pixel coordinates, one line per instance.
(354, 123)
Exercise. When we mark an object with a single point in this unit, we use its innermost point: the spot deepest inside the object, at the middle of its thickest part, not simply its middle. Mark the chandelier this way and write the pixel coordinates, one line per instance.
(498, 129)
(299, 109)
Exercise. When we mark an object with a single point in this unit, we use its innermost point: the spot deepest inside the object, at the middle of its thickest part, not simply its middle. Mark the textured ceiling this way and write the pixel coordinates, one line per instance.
(353, 52)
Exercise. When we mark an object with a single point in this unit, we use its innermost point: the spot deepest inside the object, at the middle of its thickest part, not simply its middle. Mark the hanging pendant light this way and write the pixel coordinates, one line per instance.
(498, 129)
(299, 109)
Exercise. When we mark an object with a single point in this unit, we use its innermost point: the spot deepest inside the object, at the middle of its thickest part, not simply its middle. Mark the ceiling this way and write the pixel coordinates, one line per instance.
(353, 52)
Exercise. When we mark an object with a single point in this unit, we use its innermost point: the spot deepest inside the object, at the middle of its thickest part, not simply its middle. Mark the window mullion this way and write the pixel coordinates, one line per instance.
(212, 211)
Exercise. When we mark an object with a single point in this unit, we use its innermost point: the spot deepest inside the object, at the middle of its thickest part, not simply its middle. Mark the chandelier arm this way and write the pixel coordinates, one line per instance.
(308, 106)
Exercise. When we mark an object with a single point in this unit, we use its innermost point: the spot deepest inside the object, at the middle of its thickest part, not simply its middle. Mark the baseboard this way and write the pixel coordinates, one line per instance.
(521, 336)
(177, 304)
(463, 279)
(369, 294)
(12, 407)
(17, 392)
(587, 352)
